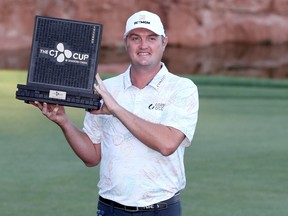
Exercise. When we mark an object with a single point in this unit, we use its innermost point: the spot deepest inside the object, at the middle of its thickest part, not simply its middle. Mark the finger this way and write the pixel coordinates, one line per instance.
(99, 81)
(56, 108)
(44, 108)
(102, 85)
(38, 104)
(96, 87)
(33, 103)
(96, 84)
(98, 78)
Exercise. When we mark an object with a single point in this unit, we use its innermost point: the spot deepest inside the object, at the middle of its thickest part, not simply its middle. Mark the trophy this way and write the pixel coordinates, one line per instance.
(63, 63)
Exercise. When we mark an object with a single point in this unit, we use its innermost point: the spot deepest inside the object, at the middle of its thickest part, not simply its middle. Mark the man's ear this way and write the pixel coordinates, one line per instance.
(125, 43)
(165, 42)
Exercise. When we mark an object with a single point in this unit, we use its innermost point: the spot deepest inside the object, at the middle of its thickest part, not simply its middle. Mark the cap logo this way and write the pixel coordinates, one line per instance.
(142, 20)
(142, 17)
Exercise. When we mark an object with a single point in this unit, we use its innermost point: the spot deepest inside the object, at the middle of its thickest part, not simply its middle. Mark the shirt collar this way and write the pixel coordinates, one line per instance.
(126, 78)
(156, 82)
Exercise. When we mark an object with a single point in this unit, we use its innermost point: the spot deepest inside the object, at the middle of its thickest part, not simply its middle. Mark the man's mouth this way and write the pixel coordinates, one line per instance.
(143, 53)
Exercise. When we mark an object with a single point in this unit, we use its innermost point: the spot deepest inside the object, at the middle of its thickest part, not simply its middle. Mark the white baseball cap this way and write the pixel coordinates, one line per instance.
(147, 20)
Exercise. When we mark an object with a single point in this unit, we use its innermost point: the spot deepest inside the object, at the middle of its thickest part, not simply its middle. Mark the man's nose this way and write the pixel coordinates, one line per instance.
(144, 44)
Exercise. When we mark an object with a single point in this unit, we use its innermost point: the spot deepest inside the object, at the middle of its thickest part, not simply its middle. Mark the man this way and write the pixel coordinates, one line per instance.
(140, 133)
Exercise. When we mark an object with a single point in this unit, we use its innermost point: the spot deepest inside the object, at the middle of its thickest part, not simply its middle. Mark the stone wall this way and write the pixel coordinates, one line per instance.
(193, 25)
(189, 23)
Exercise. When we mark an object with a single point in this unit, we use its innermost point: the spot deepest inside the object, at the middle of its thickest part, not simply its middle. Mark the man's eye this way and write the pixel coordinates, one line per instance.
(152, 38)
(135, 38)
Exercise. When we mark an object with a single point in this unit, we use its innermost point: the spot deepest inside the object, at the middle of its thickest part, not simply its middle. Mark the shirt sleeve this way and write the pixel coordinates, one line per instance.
(182, 110)
(93, 127)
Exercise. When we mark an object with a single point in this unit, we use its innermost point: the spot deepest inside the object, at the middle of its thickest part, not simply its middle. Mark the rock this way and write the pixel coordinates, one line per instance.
(189, 23)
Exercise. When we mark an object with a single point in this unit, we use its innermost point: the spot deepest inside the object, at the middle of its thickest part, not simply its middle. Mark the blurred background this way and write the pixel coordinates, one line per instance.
(226, 37)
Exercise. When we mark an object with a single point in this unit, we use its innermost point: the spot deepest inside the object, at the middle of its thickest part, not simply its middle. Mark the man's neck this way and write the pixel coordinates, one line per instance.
(141, 77)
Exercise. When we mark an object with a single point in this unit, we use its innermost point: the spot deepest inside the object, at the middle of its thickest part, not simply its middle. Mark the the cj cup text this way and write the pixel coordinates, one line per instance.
(61, 54)
(55, 54)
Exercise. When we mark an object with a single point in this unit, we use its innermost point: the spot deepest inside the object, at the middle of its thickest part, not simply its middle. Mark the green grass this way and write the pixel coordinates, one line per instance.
(236, 166)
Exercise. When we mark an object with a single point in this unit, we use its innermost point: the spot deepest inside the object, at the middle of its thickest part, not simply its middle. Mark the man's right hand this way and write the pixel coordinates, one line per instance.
(53, 112)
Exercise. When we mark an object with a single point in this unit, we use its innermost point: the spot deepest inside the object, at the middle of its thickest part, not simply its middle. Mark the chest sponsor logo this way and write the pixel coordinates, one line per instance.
(157, 106)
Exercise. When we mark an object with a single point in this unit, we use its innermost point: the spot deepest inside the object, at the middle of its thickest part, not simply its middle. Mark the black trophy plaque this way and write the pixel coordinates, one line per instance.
(63, 63)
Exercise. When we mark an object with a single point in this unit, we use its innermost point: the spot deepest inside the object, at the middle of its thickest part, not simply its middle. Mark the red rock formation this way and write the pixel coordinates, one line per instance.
(189, 23)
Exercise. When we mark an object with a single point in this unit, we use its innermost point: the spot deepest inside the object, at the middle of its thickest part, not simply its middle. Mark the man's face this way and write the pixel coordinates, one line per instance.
(144, 47)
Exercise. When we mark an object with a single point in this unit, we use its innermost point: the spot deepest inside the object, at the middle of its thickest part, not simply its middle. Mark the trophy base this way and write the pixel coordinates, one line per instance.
(73, 99)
